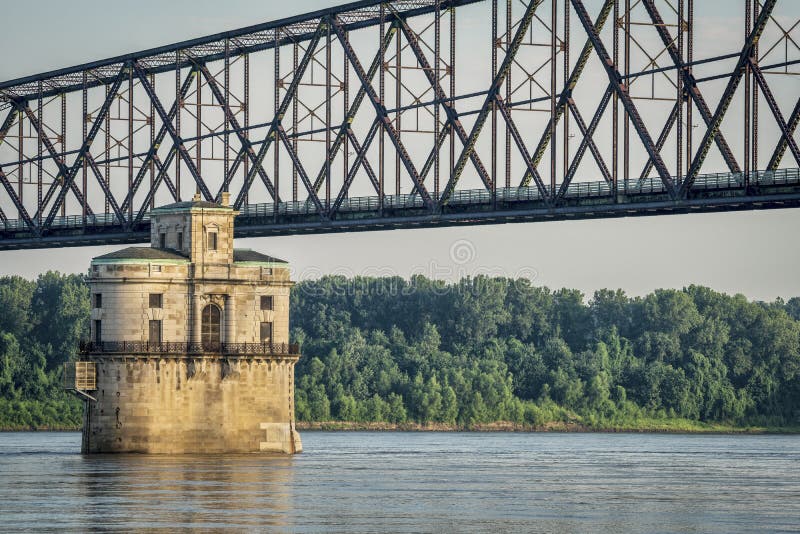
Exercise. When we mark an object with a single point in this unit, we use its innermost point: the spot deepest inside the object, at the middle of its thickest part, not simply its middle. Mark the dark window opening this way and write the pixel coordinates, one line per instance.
(180, 240)
(210, 331)
(212, 241)
(155, 332)
(156, 300)
(162, 240)
(98, 331)
(98, 300)
(266, 332)
(266, 302)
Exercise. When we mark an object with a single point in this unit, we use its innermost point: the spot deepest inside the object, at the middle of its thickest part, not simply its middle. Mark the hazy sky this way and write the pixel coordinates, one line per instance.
(755, 253)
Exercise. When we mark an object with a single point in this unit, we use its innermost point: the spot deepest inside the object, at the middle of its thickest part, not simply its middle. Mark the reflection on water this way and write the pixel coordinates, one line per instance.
(413, 482)
(198, 492)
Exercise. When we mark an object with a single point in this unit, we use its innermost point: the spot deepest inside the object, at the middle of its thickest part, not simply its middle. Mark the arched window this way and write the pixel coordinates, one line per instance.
(211, 331)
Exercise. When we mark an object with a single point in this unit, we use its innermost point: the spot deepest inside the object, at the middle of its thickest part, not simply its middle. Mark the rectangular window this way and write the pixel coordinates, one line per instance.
(162, 240)
(156, 300)
(212, 240)
(98, 300)
(98, 331)
(266, 332)
(95, 269)
(156, 268)
(155, 332)
(180, 240)
(266, 302)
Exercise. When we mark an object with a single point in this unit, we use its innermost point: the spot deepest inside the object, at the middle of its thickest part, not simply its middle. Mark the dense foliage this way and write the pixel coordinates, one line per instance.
(41, 323)
(476, 351)
(490, 349)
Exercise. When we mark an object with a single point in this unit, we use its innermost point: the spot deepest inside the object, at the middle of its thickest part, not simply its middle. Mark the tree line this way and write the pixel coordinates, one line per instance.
(465, 353)
(497, 349)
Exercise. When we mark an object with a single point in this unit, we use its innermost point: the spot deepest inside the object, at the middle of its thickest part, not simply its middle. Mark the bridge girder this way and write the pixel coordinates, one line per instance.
(428, 133)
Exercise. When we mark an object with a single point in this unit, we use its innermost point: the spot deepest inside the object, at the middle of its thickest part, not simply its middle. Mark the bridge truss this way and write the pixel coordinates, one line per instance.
(376, 115)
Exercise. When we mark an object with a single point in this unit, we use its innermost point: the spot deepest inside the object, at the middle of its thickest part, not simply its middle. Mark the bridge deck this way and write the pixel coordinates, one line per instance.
(582, 200)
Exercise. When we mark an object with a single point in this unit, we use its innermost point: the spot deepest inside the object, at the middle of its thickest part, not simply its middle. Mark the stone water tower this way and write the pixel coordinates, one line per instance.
(189, 349)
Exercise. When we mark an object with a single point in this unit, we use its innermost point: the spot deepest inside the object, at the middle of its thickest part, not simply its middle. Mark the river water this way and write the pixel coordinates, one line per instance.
(413, 482)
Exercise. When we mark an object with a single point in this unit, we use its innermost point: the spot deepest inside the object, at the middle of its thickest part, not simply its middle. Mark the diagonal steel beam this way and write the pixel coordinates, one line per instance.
(689, 82)
(622, 92)
(247, 147)
(291, 94)
(160, 175)
(105, 188)
(437, 146)
(448, 106)
(354, 107)
(589, 132)
(7, 123)
(380, 110)
(301, 171)
(587, 139)
(520, 142)
(3, 217)
(18, 204)
(491, 98)
(361, 160)
(361, 152)
(777, 156)
(152, 154)
(566, 94)
(51, 149)
(87, 143)
(4, 128)
(727, 96)
(662, 139)
(787, 135)
(176, 140)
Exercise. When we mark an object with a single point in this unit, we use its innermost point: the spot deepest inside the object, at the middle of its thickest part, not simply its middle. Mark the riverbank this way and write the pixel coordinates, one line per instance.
(645, 426)
(674, 426)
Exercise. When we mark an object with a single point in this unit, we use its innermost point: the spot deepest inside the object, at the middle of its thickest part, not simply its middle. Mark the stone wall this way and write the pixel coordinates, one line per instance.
(126, 312)
(198, 405)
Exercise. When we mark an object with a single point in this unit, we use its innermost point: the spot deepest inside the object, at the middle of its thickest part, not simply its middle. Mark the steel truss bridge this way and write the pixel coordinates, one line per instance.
(412, 113)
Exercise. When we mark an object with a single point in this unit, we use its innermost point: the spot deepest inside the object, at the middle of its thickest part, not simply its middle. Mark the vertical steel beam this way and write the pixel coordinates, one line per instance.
(276, 102)
(553, 26)
(437, 53)
(179, 101)
(130, 143)
(493, 73)
(398, 97)
(84, 123)
(328, 112)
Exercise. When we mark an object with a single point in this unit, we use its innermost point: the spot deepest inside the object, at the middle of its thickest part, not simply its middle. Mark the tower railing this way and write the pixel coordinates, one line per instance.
(181, 347)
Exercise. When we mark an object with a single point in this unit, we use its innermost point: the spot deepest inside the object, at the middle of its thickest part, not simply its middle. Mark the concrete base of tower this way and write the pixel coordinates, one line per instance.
(182, 405)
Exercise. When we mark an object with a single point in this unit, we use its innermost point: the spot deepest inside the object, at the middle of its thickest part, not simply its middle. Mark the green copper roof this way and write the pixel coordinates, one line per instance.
(143, 254)
(245, 255)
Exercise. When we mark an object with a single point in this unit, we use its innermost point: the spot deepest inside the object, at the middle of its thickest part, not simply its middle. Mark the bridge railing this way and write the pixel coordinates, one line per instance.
(180, 347)
(576, 190)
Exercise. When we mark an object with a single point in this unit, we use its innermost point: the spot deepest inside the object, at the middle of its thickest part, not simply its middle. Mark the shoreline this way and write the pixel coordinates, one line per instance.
(662, 427)
(552, 427)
